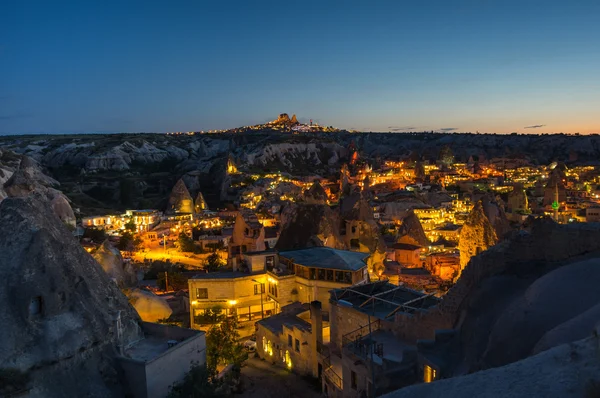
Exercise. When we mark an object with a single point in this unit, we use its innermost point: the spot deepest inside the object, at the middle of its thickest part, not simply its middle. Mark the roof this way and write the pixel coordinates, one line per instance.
(288, 318)
(405, 246)
(225, 275)
(325, 257)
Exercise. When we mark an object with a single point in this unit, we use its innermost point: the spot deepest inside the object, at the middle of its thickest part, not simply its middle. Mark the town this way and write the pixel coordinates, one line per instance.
(355, 280)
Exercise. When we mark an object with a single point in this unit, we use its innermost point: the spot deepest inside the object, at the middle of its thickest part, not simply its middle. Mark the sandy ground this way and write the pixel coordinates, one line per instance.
(263, 380)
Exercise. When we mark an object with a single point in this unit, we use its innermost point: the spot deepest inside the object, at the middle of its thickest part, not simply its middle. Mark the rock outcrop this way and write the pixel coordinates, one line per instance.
(28, 178)
(180, 200)
(200, 204)
(567, 371)
(412, 231)
(62, 317)
(149, 306)
(111, 261)
(476, 235)
(315, 194)
(308, 225)
(494, 211)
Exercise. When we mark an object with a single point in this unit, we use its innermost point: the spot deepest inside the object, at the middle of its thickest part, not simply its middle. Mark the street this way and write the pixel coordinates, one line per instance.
(261, 379)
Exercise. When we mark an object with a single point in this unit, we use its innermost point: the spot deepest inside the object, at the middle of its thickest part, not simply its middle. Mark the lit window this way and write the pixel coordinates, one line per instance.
(429, 374)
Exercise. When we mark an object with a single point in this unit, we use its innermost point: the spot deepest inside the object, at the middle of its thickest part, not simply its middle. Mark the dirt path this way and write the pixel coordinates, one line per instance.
(263, 380)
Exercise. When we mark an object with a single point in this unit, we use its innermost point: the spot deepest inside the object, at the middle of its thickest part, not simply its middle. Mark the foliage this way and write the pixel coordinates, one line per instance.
(160, 267)
(128, 242)
(196, 384)
(176, 280)
(211, 316)
(95, 234)
(222, 346)
(186, 244)
(213, 262)
(130, 226)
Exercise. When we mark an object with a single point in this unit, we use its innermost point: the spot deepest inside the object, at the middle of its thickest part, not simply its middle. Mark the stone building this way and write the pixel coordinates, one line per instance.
(269, 280)
(248, 236)
(366, 351)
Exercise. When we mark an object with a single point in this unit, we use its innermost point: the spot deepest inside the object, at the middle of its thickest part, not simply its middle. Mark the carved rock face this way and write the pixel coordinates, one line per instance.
(476, 235)
(180, 200)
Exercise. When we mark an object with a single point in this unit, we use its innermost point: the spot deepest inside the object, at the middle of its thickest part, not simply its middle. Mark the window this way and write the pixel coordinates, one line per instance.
(353, 230)
(353, 380)
(259, 288)
(330, 275)
(311, 273)
(270, 262)
(201, 293)
(289, 340)
(429, 374)
(35, 306)
(297, 345)
(320, 274)
(354, 244)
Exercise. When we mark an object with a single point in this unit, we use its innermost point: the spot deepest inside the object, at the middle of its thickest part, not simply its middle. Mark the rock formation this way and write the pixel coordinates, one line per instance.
(180, 200)
(517, 200)
(476, 235)
(200, 204)
(315, 194)
(149, 306)
(567, 371)
(494, 211)
(411, 230)
(111, 261)
(308, 225)
(294, 120)
(62, 318)
(28, 178)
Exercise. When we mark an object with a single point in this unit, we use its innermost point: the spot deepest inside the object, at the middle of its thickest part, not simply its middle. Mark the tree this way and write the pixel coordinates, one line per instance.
(196, 384)
(95, 234)
(177, 281)
(223, 347)
(128, 242)
(186, 244)
(213, 262)
(130, 226)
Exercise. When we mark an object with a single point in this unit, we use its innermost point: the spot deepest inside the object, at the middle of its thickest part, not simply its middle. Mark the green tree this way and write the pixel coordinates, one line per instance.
(213, 262)
(177, 281)
(223, 347)
(95, 234)
(186, 244)
(128, 242)
(130, 226)
(197, 383)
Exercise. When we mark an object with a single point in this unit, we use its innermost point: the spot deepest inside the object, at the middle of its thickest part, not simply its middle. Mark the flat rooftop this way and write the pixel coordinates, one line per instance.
(383, 299)
(225, 275)
(147, 349)
(327, 258)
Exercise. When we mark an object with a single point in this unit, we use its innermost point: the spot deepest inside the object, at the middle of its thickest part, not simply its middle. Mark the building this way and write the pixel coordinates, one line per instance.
(264, 282)
(592, 214)
(366, 353)
(161, 359)
(292, 339)
(248, 236)
(406, 254)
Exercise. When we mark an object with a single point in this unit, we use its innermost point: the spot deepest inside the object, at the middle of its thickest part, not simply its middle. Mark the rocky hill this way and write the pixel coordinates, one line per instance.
(138, 170)
(63, 318)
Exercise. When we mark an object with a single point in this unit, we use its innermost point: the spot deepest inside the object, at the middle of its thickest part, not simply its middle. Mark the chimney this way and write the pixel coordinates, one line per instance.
(316, 323)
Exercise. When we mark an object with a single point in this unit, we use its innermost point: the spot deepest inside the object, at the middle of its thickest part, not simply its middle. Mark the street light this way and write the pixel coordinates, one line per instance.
(262, 289)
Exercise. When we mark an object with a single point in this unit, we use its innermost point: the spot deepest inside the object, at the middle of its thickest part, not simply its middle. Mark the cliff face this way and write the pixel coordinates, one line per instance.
(476, 235)
(308, 225)
(60, 312)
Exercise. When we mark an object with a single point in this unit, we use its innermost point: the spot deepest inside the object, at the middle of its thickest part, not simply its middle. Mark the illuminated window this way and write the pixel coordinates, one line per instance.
(288, 359)
(201, 293)
(429, 374)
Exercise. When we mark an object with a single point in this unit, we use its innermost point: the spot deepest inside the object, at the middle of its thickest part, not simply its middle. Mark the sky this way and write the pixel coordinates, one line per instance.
(501, 66)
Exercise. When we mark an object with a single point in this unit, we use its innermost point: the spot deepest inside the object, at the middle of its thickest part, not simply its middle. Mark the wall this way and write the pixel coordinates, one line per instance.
(173, 364)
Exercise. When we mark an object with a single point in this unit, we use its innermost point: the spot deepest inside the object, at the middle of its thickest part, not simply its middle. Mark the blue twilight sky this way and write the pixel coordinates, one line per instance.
(492, 66)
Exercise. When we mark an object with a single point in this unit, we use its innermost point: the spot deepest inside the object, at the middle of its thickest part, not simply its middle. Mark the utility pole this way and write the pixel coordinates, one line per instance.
(166, 281)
